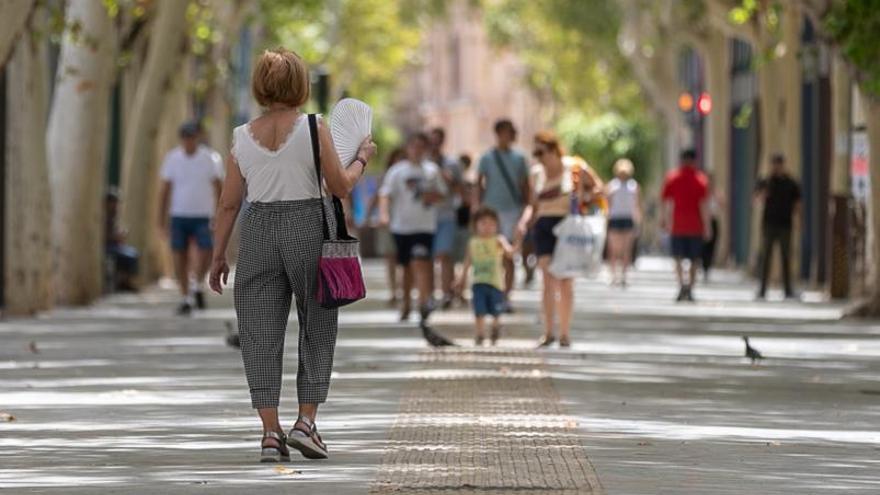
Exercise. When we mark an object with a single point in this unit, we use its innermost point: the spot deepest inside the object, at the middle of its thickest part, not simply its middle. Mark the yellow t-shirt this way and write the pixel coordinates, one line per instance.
(487, 261)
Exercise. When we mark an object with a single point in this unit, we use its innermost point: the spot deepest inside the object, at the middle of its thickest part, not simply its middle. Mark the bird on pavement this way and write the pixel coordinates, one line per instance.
(232, 339)
(434, 338)
(752, 353)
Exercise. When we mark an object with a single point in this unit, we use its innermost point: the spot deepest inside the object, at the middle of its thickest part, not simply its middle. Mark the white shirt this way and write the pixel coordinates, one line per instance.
(286, 174)
(192, 180)
(404, 184)
(622, 198)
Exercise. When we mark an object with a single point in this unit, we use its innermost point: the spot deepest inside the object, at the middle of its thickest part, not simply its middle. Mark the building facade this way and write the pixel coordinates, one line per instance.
(462, 83)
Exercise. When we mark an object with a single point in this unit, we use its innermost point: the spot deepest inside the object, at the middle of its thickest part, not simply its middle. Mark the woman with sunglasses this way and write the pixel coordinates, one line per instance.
(557, 185)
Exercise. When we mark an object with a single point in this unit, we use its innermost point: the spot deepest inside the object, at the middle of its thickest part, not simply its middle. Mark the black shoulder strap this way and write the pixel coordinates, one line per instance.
(514, 192)
(338, 212)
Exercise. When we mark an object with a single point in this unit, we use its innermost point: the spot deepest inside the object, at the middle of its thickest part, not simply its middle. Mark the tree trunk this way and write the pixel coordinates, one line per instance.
(871, 105)
(139, 164)
(77, 145)
(28, 201)
(175, 110)
(839, 212)
(717, 57)
(12, 24)
(841, 101)
(230, 17)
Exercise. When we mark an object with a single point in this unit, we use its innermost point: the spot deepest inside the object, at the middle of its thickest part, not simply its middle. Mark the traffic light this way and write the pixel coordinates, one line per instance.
(704, 103)
(685, 102)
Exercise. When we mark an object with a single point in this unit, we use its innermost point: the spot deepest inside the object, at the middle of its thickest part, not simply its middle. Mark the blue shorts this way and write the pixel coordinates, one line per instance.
(185, 228)
(444, 237)
(487, 300)
(687, 247)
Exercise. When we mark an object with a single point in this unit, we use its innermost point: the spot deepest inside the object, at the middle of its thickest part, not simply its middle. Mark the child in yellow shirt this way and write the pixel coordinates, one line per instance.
(486, 252)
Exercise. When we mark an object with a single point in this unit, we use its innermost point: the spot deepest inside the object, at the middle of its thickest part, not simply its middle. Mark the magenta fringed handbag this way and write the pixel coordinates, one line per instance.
(340, 278)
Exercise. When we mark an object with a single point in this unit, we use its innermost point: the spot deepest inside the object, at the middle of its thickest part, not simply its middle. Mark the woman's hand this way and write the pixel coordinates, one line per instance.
(219, 270)
(367, 149)
(522, 228)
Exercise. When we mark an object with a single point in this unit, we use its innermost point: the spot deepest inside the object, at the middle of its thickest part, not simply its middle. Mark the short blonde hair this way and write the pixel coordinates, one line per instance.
(280, 76)
(624, 166)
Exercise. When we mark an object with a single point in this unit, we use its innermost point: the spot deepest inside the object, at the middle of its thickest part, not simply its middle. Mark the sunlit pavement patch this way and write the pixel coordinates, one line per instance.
(476, 431)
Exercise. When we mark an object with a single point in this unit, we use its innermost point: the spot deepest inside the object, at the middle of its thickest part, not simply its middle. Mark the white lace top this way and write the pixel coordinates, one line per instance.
(285, 174)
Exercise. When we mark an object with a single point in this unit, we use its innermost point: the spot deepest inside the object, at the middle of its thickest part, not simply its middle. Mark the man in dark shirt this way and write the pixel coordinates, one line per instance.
(781, 196)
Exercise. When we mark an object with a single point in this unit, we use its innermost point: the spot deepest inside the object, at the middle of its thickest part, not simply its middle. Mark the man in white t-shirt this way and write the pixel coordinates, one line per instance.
(191, 182)
(408, 200)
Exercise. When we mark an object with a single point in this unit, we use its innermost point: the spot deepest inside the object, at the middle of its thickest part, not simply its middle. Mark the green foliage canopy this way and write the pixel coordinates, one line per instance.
(854, 25)
(571, 50)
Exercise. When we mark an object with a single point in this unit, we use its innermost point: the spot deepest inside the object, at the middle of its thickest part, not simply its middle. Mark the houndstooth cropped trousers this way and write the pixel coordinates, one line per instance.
(278, 258)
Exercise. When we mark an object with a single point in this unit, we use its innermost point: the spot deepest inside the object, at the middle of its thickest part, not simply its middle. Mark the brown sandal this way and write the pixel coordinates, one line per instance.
(275, 450)
(304, 437)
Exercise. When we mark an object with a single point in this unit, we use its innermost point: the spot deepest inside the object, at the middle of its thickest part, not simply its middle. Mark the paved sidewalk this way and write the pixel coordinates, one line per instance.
(653, 398)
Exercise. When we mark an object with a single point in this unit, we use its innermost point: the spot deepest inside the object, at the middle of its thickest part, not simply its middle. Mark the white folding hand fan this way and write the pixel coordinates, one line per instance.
(350, 124)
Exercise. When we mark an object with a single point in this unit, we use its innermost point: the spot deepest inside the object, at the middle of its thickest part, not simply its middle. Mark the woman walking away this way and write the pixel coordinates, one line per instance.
(281, 237)
(624, 215)
(553, 194)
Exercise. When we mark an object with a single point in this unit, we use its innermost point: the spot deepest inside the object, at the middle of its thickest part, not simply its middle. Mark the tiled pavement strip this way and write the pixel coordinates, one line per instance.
(484, 422)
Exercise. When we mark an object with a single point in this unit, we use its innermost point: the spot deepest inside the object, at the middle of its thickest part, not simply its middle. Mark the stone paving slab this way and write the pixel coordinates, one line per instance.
(473, 432)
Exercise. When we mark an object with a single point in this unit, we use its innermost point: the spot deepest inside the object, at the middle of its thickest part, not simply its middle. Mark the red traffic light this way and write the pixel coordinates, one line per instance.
(704, 103)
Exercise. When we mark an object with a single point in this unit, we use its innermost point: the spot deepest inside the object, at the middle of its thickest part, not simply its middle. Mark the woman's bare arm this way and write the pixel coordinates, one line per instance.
(227, 212)
(228, 207)
(340, 180)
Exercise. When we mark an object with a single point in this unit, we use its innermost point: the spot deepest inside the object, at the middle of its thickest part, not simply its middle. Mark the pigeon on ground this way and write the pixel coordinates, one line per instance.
(232, 339)
(751, 352)
(434, 338)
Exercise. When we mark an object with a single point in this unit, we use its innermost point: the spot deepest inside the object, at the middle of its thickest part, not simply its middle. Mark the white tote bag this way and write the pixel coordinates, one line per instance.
(579, 243)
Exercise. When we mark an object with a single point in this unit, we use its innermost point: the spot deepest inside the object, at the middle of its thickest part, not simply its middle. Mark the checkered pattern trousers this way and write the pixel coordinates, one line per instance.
(278, 258)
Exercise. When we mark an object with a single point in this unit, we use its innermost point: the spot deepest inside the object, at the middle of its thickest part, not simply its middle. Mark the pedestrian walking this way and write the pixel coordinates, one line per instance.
(781, 197)
(716, 207)
(384, 241)
(463, 220)
(282, 235)
(685, 214)
(408, 204)
(503, 185)
(624, 216)
(554, 196)
(191, 179)
(444, 240)
(487, 250)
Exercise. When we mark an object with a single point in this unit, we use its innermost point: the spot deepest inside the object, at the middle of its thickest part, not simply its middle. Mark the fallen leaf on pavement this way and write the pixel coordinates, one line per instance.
(284, 470)
(6, 417)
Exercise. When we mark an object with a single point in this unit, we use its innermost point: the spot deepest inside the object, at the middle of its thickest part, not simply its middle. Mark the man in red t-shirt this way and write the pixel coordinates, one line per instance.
(685, 215)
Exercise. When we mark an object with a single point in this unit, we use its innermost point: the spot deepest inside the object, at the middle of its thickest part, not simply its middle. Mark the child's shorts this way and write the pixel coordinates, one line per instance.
(487, 300)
